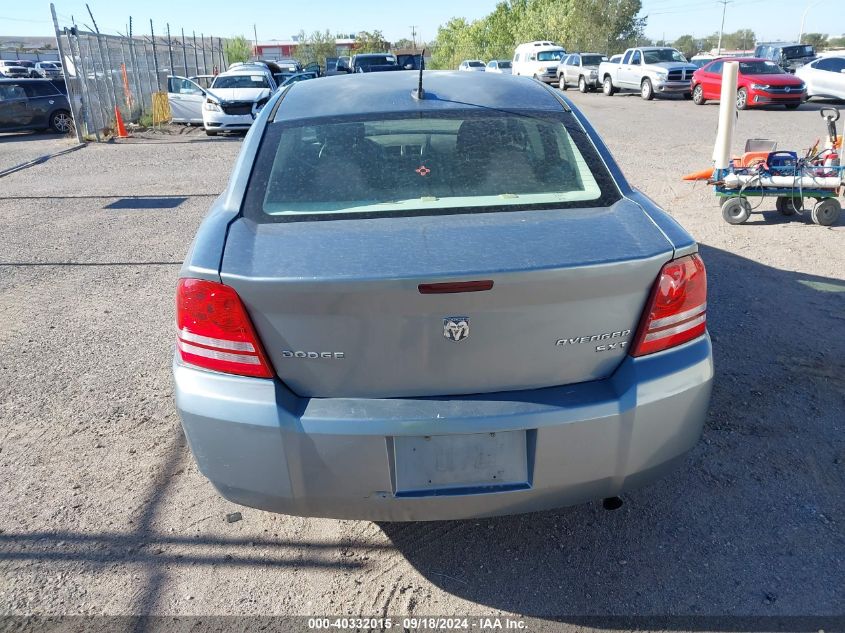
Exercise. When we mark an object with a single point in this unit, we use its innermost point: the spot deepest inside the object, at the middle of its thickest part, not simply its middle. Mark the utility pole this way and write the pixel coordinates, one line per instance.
(414, 35)
(255, 33)
(724, 4)
(810, 5)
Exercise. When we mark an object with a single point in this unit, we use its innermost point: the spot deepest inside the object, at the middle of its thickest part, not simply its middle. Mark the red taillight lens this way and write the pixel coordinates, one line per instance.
(676, 311)
(213, 330)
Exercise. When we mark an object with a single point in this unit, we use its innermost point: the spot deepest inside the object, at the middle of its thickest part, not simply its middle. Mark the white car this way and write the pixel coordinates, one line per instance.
(235, 98)
(186, 98)
(825, 77)
(538, 60)
(472, 66)
(500, 66)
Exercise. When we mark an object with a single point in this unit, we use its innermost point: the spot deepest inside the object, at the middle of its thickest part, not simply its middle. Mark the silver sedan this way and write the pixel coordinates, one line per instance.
(436, 305)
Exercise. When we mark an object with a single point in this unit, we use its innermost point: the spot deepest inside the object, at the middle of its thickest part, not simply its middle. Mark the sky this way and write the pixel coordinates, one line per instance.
(770, 19)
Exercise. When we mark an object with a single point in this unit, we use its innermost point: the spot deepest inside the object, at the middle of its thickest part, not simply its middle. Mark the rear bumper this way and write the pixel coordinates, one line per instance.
(261, 446)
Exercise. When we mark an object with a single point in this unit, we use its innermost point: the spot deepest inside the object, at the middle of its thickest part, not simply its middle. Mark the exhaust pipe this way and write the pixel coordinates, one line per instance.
(612, 503)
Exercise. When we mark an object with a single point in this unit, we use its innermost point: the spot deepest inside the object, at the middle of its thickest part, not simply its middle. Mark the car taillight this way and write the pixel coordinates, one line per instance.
(214, 332)
(676, 311)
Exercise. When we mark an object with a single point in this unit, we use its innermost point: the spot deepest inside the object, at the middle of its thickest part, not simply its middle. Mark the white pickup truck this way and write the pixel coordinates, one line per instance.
(648, 70)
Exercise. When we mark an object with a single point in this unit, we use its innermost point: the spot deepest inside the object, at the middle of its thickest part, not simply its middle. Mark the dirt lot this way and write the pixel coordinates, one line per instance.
(104, 511)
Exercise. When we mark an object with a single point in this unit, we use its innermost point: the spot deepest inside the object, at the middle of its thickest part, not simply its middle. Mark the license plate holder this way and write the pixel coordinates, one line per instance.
(460, 464)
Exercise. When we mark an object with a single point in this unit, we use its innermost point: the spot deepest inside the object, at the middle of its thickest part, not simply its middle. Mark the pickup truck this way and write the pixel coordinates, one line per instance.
(648, 70)
(370, 63)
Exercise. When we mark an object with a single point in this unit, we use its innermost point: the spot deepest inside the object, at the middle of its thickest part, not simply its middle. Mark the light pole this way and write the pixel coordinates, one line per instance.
(724, 4)
(810, 5)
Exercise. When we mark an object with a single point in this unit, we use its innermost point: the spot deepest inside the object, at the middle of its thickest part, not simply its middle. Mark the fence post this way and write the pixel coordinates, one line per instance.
(196, 55)
(79, 67)
(155, 57)
(185, 54)
(111, 98)
(77, 119)
(170, 50)
(136, 70)
(204, 61)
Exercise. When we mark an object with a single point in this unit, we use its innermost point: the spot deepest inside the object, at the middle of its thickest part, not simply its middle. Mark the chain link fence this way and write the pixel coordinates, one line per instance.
(128, 72)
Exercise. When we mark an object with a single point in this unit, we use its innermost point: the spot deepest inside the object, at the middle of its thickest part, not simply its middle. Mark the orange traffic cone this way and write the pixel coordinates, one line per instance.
(121, 129)
(704, 174)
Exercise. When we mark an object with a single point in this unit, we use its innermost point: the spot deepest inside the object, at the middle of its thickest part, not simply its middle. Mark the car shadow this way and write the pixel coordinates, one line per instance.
(745, 536)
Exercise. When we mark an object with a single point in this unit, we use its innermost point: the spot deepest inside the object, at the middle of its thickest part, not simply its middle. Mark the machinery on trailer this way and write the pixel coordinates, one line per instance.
(763, 171)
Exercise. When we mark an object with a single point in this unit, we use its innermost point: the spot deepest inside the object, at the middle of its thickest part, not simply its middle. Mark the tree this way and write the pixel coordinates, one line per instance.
(316, 47)
(370, 42)
(403, 43)
(687, 44)
(594, 25)
(818, 40)
(237, 49)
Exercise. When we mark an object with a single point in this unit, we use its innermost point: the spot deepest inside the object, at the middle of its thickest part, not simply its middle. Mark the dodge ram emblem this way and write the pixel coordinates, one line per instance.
(456, 328)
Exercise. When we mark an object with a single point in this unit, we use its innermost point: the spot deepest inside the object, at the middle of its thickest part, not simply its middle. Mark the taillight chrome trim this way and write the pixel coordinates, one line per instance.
(677, 318)
(683, 327)
(236, 346)
(245, 359)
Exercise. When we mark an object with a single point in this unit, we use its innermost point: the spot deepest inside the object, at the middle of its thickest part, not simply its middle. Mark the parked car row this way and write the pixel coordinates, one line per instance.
(21, 68)
(230, 101)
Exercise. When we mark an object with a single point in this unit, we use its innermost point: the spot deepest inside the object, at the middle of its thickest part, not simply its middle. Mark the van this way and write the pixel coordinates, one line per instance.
(538, 60)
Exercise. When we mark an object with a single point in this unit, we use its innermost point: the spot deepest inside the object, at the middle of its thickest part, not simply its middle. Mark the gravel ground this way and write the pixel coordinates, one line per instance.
(22, 147)
(104, 511)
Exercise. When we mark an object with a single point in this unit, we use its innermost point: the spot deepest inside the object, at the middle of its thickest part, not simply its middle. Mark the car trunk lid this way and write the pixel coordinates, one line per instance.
(339, 308)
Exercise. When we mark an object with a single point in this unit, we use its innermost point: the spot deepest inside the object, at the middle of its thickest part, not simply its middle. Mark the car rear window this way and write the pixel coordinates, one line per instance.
(419, 164)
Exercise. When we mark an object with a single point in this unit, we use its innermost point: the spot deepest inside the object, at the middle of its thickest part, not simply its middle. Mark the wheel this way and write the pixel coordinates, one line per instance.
(741, 99)
(61, 122)
(698, 95)
(736, 210)
(647, 90)
(211, 132)
(792, 106)
(607, 87)
(789, 205)
(582, 85)
(826, 212)
(562, 83)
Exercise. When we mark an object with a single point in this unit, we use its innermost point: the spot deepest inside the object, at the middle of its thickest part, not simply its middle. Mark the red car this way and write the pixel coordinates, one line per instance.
(760, 82)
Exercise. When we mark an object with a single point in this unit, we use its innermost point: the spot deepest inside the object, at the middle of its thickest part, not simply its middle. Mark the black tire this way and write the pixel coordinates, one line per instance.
(736, 210)
(742, 99)
(647, 90)
(211, 132)
(698, 95)
(792, 106)
(582, 85)
(562, 83)
(789, 205)
(826, 212)
(61, 122)
(607, 86)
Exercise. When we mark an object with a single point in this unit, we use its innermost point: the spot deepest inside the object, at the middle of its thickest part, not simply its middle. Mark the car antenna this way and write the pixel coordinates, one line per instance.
(419, 93)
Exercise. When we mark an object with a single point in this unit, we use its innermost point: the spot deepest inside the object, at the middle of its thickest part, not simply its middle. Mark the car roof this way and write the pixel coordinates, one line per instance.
(379, 93)
(245, 70)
